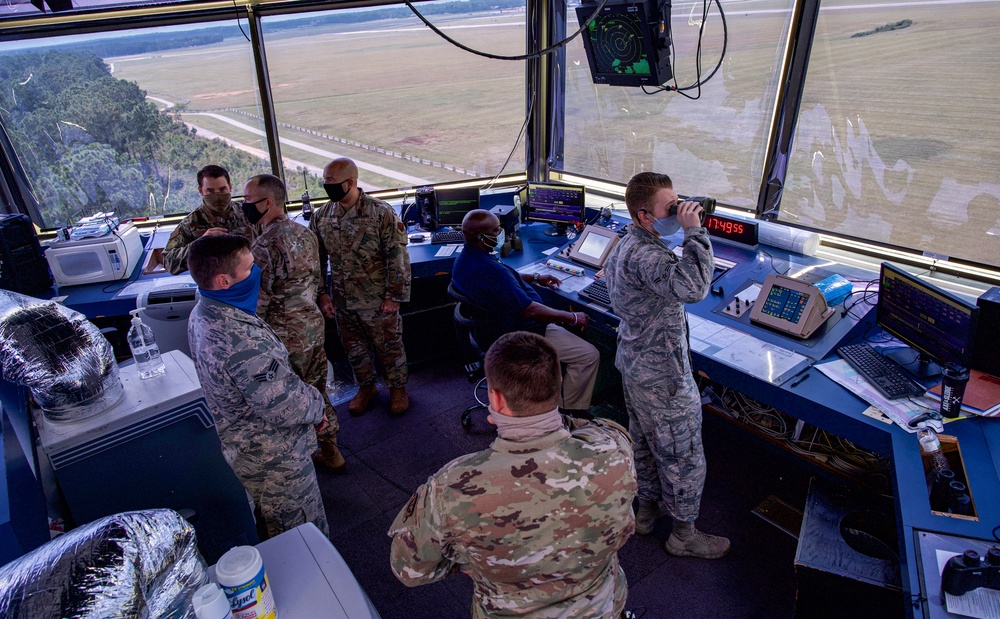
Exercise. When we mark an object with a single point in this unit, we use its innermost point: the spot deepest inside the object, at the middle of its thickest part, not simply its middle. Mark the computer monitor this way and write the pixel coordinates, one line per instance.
(625, 44)
(559, 205)
(453, 203)
(938, 326)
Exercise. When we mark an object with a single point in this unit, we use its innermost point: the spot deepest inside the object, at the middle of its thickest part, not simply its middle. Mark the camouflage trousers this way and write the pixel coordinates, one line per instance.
(363, 331)
(666, 429)
(310, 366)
(286, 492)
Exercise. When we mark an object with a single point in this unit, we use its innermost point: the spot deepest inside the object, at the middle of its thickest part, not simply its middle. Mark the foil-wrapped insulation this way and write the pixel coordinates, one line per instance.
(59, 355)
(136, 565)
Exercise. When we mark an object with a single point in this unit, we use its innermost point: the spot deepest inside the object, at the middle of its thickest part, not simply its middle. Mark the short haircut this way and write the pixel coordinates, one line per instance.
(524, 367)
(213, 171)
(209, 256)
(641, 190)
(271, 186)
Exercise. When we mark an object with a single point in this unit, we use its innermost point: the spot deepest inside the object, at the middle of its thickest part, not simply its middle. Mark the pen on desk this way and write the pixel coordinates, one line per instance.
(800, 379)
(802, 371)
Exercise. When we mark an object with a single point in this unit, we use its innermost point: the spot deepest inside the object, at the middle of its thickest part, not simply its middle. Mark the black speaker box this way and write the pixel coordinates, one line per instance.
(23, 267)
(986, 350)
(426, 208)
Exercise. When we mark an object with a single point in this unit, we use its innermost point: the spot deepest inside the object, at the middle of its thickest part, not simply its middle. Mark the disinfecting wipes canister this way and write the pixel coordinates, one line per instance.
(241, 575)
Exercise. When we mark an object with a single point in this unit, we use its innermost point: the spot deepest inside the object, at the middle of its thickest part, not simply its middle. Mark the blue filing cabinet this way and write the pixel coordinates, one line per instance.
(24, 522)
(158, 447)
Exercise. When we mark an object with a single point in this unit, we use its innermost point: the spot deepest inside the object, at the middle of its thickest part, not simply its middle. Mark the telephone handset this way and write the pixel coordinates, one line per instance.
(791, 306)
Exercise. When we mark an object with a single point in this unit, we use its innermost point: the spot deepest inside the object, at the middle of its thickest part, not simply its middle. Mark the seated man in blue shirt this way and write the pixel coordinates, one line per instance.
(505, 296)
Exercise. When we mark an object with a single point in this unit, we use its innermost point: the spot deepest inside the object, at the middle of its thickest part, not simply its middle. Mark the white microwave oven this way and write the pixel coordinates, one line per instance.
(89, 261)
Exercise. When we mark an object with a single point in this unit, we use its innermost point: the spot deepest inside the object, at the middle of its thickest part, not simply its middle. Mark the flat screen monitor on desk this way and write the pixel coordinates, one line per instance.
(453, 203)
(560, 205)
(938, 327)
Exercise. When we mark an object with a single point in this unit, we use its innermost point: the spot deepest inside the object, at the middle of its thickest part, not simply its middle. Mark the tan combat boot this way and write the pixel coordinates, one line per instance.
(399, 402)
(361, 400)
(687, 541)
(646, 516)
(329, 455)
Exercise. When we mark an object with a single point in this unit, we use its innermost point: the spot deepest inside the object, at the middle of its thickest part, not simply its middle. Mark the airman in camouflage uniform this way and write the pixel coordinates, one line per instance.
(264, 413)
(216, 215)
(537, 519)
(364, 243)
(649, 286)
(290, 281)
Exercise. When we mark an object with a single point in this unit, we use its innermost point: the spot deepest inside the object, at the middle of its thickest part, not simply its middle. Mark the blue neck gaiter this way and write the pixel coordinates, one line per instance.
(241, 294)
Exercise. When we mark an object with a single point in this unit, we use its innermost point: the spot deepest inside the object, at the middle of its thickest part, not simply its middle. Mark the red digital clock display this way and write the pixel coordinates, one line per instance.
(732, 229)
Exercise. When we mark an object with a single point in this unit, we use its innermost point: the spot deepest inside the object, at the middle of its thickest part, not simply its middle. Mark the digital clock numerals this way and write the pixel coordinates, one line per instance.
(725, 225)
(732, 230)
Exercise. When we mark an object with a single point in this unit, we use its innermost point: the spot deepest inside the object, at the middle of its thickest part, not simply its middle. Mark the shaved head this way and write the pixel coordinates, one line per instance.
(341, 169)
(477, 222)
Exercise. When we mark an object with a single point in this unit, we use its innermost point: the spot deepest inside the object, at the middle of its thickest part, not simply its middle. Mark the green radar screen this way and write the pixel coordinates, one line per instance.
(622, 44)
(618, 46)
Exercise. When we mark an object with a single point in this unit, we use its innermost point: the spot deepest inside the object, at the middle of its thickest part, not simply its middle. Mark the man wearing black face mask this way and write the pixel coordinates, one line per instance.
(290, 282)
(216, 215)
(649, 286)
(511, 304)
(364, 244)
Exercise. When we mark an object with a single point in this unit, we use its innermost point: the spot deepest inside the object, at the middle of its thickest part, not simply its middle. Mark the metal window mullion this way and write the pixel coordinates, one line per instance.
(536, 76)
(786, 115)
(264, 92)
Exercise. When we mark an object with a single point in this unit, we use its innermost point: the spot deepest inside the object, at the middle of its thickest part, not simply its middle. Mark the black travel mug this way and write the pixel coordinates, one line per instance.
(954, 378)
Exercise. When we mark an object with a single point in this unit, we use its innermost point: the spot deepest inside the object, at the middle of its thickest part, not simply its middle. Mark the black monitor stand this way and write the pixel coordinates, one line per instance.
(556, 230)
(916, 363)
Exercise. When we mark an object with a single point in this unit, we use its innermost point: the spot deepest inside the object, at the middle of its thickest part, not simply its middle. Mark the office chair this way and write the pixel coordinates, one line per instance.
(474, 336)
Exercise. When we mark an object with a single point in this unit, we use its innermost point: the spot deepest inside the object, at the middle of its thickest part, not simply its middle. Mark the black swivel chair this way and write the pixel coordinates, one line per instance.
(474, 334)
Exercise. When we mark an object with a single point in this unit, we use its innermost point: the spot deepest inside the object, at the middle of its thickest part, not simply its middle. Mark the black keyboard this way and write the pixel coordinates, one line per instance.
(884, 374)
(597, 291)
(447, 236)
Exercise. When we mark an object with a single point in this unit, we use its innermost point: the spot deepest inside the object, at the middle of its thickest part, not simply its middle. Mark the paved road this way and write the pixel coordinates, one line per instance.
(371, 167)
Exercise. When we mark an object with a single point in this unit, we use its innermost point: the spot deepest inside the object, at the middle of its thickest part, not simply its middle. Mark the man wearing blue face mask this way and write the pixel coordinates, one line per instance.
(649, 286)
(509, 301)
(264, 412)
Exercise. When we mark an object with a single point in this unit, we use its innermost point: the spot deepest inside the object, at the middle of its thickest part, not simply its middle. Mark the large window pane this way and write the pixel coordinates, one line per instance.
(898, 140)
(711, 146)
(123, 122)
(379, 87)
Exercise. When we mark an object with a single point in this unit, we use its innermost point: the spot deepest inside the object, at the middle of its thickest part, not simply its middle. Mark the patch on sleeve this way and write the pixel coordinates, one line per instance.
(269, 374)
(400, 226)
(410, 507)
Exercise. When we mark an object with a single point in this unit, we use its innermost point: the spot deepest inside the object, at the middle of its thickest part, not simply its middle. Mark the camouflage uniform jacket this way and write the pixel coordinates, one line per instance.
(537, 524)
(263, 411)
(175, 252)
(290, 282)
(365, 246)
(649, 286)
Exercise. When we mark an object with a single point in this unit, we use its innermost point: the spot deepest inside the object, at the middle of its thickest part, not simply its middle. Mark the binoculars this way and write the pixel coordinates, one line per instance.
(707, 206)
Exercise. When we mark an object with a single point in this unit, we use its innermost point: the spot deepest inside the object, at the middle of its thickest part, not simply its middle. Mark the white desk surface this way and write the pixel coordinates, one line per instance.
(310, 579)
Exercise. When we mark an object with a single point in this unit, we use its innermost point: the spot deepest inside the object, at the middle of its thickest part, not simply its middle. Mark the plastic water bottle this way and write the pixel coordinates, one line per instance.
(930, 447)
(144, 348)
